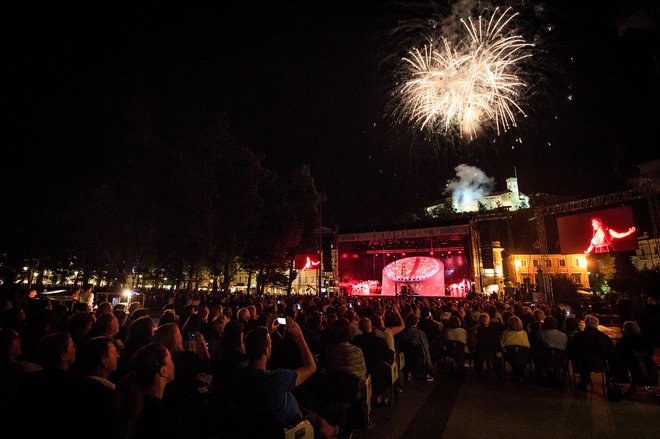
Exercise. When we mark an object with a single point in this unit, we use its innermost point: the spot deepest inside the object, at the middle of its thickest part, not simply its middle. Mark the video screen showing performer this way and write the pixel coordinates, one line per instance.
(603, 231)
(602, 240)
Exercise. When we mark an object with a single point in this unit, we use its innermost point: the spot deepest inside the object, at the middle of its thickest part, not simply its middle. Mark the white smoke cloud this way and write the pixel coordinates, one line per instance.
(470, 185)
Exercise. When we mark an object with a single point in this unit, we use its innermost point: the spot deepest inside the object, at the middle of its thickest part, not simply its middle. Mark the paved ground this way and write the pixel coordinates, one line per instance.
(451, 408)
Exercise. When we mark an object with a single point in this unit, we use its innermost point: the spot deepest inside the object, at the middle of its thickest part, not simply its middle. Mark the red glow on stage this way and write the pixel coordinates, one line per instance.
(355, 256)
(412, 269)
(344, 255)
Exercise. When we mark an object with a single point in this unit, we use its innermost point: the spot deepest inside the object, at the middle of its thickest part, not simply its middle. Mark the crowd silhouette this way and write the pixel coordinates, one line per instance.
(213, 366)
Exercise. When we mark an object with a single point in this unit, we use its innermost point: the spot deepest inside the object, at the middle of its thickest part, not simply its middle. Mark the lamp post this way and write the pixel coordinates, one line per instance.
(322, 199)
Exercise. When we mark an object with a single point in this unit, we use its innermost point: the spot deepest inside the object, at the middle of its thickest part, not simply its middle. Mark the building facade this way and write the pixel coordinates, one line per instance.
(646, 256)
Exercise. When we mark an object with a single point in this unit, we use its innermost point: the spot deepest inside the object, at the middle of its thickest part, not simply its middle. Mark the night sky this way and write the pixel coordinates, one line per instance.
(310, 82)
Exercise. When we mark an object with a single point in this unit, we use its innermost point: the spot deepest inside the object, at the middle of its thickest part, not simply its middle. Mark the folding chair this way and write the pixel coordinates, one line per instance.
(367, 404)
(519, 359)
(302, 430)
(457, 357)
(415, 362)
(600, 368)
(555, 362)
(394, 377)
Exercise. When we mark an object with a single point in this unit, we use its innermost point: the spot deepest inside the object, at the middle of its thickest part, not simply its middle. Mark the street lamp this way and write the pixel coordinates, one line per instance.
(322, 199)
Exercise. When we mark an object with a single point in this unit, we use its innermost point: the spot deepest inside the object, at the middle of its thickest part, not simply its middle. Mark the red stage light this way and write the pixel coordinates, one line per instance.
(355, 256)
(344, 255)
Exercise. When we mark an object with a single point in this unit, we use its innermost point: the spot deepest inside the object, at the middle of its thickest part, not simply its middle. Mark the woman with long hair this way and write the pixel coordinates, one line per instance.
(143, 413)
(602, 240)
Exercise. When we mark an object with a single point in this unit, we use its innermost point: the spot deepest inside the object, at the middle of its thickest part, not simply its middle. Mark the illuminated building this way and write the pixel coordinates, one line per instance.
(646, 256)
(472, 201)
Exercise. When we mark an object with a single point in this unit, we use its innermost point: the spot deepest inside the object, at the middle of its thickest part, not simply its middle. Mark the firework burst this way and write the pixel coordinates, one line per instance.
(466, 85)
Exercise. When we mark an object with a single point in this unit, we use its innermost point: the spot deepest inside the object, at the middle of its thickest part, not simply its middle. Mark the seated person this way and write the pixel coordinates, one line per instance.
(550, 364)
(629, 347)
(551, 336)
(487, 349)
(269, 392)
(341, 356)
(376, 353)
(592, 349)
(412, 339)
(515, 335)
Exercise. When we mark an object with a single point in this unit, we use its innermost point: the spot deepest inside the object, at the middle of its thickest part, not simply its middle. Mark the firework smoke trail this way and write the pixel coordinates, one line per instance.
(467, 85)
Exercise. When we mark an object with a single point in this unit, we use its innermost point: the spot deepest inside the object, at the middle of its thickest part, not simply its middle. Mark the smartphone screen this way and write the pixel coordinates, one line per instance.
(281, 320)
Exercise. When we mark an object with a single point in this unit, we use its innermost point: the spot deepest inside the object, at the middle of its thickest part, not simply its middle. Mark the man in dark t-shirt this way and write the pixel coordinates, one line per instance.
(268, 393)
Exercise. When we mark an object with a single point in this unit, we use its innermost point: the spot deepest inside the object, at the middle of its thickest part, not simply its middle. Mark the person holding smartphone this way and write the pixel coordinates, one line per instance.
(270, 391)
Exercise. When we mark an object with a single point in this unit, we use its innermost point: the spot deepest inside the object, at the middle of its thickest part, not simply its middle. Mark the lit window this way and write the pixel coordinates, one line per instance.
(562, 262)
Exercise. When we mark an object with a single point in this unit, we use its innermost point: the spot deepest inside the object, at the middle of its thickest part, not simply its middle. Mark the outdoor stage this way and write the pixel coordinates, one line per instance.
(431, 262)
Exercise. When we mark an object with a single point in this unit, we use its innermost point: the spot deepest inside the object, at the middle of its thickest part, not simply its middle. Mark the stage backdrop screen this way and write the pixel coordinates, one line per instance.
(583, 233)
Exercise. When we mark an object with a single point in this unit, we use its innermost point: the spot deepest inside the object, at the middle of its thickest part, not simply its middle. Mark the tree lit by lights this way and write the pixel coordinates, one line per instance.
(466, 85)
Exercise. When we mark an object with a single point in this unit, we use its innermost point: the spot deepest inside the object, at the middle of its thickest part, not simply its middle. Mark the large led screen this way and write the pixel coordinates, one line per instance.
(418, 262)
(602, 231)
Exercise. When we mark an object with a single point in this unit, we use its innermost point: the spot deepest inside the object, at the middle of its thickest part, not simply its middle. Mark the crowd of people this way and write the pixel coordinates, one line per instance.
(205, 366)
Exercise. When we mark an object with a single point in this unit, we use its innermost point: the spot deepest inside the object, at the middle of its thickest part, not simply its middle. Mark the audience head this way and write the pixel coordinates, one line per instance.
(591, 321)
(106, 324)
(411, 320)
(150, 364)
(169, 335)
(134, 306)
(233, 332)
(10, 345)
(506, 315)
(103, 308)
(97, 356)
(484, 319)
(550, 323)
(377, 321)
(454, 322)
(243, 314)
(365, 325)
(257, 343)
(514, 323)
(79, 325)
(56, 351)
(138, 312)
(631, 329)
(539, 315)
(341, 330)
(141, 331)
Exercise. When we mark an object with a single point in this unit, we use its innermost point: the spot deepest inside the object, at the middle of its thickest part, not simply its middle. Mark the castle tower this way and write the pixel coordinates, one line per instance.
(512, 185)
